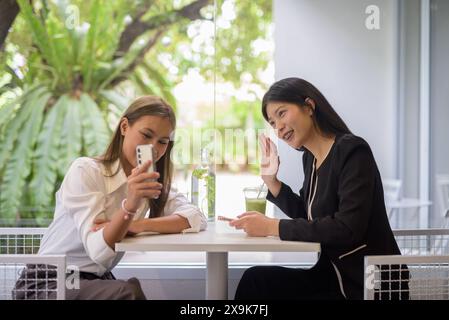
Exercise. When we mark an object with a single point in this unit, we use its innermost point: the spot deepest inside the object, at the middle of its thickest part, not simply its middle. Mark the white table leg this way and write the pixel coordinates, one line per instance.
(217, 276)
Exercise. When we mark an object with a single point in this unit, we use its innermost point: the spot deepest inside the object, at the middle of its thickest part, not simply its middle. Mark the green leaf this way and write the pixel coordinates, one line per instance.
(89, 56)
(18, 168)
(120, 65)
(61, 48)
(70, 144)
(68, 13)
(7, 111)
(45, 165)
(95, 129)
(144, 87)
(162, 83)
(39, 33)
(116, 108)
(15, 80)
(16, 123)
(116, 99)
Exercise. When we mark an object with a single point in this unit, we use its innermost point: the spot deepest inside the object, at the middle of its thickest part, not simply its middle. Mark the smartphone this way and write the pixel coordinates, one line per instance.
(223, 218)
(145, 153)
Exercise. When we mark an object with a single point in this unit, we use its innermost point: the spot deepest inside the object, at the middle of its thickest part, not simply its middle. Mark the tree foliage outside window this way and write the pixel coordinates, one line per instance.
(70, 68)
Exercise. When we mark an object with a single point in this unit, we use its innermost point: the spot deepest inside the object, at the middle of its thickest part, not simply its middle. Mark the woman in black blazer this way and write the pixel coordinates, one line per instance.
(340, 205)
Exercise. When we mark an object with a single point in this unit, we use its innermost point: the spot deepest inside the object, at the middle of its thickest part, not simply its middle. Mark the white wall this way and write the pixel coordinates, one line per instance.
(326, 42)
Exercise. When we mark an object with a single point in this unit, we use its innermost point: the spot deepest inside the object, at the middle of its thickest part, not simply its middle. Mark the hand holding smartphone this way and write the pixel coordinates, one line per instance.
(144, 153)
(148, 187)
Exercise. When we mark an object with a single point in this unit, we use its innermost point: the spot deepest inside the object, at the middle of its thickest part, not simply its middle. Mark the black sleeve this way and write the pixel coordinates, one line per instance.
(355, 188)
(289, 202)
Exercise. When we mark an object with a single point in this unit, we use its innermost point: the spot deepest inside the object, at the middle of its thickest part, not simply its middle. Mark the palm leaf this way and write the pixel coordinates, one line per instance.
(119, 66)
(164, 85)
(45, 168)
(144, 87)
(61, 48)
(8, 111)
(89, 54)
(116, 108)
(16, 123)
(39, 34)
(70, 144)
(96, 133)
(121, 102)
(18, 168)
(70, 31)
(15, 80)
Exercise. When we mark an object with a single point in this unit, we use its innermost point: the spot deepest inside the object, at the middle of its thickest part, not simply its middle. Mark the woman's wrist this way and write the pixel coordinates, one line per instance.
(274, 186)
(143, 225)
(274, 227)
(129, 206)
(137, 226)
(128, 212)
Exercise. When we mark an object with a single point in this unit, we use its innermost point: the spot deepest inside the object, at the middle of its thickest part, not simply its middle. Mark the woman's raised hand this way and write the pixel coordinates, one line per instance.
(269, 165)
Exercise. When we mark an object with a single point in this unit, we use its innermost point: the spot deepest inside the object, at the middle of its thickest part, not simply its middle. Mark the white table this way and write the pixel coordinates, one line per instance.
(216, 246)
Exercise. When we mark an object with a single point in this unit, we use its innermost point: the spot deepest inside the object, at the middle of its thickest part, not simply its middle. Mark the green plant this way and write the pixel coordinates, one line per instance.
(82, 62)
(72, 80)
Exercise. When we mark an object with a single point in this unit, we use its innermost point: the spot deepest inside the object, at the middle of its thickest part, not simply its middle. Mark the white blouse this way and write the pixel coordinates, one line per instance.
(86, 194)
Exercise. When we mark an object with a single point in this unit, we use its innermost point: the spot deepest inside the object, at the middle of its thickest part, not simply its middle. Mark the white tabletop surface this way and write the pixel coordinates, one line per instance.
(210, 241)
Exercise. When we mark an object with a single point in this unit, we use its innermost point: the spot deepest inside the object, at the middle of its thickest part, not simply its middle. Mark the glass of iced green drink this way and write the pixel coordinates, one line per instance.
(255, 198)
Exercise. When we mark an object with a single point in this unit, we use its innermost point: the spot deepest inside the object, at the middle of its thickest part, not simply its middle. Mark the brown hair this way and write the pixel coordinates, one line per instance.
(145, 106)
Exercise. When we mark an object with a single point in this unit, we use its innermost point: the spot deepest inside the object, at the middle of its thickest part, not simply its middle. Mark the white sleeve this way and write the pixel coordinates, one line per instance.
(82, 195)
(178, 204)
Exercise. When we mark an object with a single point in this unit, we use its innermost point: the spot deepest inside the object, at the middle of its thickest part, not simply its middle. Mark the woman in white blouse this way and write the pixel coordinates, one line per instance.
(103, 199)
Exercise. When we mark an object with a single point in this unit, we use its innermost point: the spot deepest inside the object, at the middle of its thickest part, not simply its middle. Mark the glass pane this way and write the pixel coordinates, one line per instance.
(244, 71)
(439, 129)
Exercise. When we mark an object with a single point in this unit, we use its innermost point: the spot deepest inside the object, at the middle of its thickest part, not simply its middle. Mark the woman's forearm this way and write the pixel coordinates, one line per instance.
(274, 187)
(116, 229)
(169, 224)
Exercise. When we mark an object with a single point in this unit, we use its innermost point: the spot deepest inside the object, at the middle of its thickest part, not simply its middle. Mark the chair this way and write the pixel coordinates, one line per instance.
(392, 192)
(422, 277)
(20, 240)
(392, 189)
(423, 265)
(18, 249)
(443, 197)
(422, 242)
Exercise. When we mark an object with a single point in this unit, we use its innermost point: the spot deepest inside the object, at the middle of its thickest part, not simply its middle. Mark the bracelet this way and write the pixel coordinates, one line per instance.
(128, 213)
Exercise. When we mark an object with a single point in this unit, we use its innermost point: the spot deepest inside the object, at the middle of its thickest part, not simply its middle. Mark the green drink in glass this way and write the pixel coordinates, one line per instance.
(255, 199)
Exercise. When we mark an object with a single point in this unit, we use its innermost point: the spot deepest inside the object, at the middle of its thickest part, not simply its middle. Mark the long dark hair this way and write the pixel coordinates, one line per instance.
(145, 106)
(295, 90)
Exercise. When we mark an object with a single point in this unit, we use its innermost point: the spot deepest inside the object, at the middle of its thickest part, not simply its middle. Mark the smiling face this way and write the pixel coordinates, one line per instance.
(147, 129)
(293, 123)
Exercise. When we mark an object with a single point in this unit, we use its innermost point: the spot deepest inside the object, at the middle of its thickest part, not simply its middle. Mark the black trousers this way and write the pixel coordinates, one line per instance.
(272, 283)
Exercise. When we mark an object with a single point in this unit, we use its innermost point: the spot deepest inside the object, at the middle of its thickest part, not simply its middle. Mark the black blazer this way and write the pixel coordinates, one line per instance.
(349, 218)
